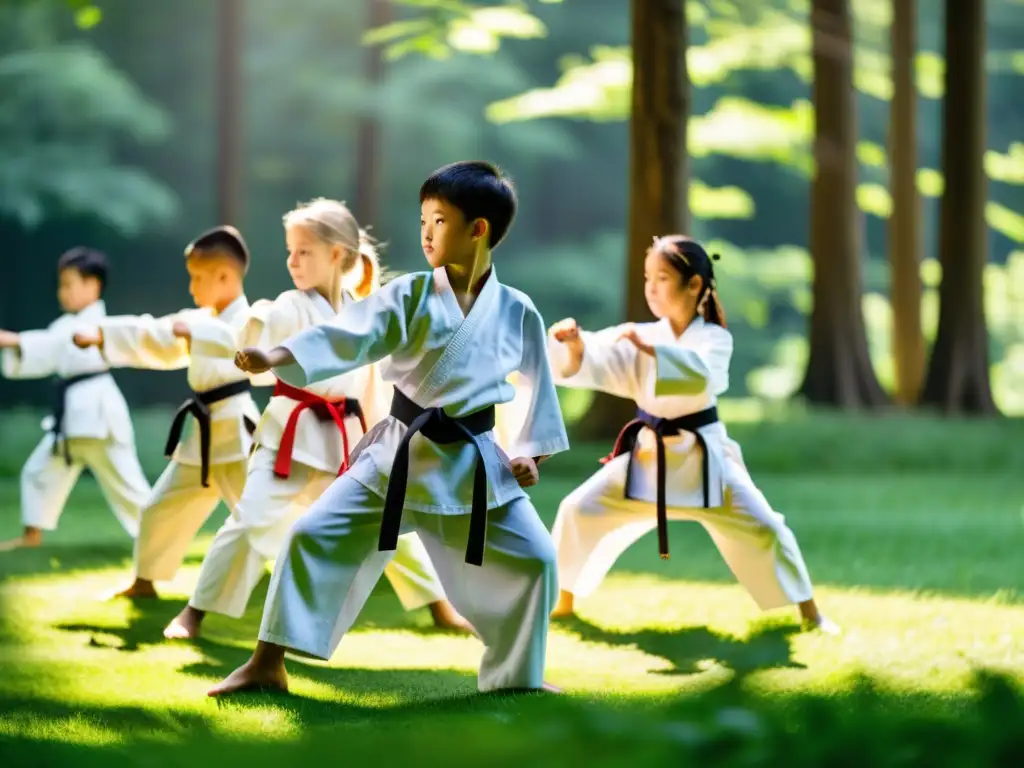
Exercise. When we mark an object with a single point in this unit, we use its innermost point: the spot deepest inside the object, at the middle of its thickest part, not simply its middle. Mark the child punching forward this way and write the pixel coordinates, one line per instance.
(89, 426)
(675, 461)
(211, 434)
(452, 336)
(306, 434)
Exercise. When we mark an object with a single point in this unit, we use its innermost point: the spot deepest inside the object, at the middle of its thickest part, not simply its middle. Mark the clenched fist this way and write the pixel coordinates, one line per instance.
(567, 333)
(253, 360)
(86, 340)
(525, 471)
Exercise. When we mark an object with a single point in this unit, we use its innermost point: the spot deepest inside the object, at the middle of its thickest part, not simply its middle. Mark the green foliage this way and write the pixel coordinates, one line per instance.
(61, 107)
(778, 380)
(728, 38)
(448, 26)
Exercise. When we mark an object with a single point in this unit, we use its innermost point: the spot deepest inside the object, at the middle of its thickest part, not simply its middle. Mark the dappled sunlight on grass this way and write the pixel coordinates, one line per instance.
(923, 572)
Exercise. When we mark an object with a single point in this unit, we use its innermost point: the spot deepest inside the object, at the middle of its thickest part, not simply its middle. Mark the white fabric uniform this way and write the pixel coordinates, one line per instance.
(270, 505)
(596, 523)
(180, 504)
(439, 357)
(96, 426)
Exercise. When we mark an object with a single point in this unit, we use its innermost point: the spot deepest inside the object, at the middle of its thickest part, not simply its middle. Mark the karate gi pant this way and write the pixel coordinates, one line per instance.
(177, 510)
(596, 524)
(254, 535)
(330, 564)
(47, 480)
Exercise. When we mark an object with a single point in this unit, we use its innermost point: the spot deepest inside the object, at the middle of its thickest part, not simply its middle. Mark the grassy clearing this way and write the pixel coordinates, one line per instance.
(669, 661)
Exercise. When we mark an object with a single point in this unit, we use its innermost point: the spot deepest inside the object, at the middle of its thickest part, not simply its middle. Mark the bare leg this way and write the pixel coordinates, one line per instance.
(30, 537)
(140, 588)
(564, 608)
(446, 617)
(265, 670)
(186, 625)
(814, 619)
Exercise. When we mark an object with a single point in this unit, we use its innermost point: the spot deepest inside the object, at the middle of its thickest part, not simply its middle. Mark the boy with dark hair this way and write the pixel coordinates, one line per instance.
(89, 426)
(452, 336)
(208, 465)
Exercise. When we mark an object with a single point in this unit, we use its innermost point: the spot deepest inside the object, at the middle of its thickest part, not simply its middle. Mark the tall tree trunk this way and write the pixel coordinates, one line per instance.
(904, 226)
(958, 374)
(368, 165)
(658, 177)
(839, 371)
(229, 111)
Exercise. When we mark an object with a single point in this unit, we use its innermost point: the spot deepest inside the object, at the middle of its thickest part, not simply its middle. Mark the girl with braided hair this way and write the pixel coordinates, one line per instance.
(675, 460)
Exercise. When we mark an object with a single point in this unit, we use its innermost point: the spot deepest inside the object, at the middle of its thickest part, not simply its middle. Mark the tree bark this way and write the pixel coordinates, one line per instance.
(229, 111)
(658, 177)
(908, 345)
(958, 373)
(839, 371)
(368, 161)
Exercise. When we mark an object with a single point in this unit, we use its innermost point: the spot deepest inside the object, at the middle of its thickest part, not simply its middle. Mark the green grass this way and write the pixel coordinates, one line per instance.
(670, 662)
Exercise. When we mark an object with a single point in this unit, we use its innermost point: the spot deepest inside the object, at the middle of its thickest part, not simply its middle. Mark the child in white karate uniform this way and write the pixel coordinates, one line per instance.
(89, 426)
(452, 336)
(305, 436)
(675, 460)
(208, 463)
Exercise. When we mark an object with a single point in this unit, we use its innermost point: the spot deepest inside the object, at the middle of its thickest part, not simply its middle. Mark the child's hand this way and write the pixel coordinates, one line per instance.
(181, 330)
(8, 339)
(253, 360)
(86, 340)
(631, 335)
(566, 331)
(525, 471)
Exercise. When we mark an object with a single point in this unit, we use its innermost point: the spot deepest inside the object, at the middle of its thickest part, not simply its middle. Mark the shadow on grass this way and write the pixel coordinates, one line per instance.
(149, 617)
(726, 726)
(767, 647)
(60, 559)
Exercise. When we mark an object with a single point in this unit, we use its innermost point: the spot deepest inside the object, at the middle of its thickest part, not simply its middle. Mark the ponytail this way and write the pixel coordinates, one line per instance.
(713, 310)
(371, 265)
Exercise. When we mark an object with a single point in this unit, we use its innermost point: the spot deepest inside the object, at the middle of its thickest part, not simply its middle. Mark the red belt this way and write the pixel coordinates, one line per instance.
(325, 410)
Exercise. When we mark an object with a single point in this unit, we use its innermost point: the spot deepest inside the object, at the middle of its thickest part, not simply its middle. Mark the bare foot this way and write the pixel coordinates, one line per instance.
(249, 677)
(140, 588)
(31, 537)
(824, 625)
(19, 543)
(186, 625)
(446, 617)
(544, 688)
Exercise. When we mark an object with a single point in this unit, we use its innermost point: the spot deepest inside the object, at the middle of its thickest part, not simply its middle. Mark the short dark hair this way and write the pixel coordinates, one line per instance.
(87, 262)
(479, 190)
(225, 240)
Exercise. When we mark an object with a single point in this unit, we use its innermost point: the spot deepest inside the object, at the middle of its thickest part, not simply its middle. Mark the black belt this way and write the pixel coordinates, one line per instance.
(438, 427)
(60, 391)
(663, 428)
(199, 406)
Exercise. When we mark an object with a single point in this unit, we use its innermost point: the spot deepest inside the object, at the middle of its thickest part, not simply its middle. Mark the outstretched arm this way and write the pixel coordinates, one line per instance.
(142, 341)
(362, 332)
(602, 361)
(30, 354)
(697, 362)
